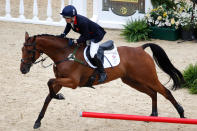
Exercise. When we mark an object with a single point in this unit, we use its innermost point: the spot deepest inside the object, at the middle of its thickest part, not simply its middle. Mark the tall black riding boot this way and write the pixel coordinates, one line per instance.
(102, 74)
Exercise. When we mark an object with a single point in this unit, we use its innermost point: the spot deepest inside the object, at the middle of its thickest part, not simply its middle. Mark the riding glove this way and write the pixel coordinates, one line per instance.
(72, 42)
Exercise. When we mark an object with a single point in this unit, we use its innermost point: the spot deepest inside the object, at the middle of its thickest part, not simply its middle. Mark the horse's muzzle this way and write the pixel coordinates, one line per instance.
(24, 71)
(25, 68)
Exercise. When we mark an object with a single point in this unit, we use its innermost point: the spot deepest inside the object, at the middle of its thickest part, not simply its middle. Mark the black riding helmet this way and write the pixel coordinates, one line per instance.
(69, 11)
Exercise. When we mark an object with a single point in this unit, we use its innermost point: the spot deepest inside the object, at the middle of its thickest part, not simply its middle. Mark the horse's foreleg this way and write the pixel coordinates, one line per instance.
(66, 82)
(51, 84)
(146, 90)
(41, 115)
(54, 87)
(44, 108)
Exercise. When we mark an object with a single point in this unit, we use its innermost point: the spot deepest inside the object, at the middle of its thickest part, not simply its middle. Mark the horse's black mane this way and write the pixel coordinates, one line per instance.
(40, 35)
(44, 35)
(57, 36)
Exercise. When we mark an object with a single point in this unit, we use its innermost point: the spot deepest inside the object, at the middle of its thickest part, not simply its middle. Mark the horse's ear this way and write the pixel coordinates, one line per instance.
(26, 36)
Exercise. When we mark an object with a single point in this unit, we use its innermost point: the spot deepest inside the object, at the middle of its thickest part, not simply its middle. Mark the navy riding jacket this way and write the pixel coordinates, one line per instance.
(88, 29)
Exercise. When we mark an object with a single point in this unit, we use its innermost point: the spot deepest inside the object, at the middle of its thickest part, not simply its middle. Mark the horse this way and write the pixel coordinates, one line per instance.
(136, 69)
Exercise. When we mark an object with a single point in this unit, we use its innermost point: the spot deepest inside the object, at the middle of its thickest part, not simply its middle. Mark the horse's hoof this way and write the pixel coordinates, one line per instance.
(154, 114)
(60, 96)
(37, 125)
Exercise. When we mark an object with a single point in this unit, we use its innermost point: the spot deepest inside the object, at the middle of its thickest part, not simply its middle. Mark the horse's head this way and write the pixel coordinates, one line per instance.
(29, 53)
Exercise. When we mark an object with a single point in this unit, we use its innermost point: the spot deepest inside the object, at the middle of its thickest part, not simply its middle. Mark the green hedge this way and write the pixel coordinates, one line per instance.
(136, 30)
(190, 76)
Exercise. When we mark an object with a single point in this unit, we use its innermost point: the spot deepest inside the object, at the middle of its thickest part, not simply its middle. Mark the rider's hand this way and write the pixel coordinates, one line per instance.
(77, 44)
(72, 42)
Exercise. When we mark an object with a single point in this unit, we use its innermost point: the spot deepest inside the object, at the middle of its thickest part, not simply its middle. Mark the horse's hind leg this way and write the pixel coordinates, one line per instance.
(178, 107)
(44, 108)
(146, 90)
(168, 95)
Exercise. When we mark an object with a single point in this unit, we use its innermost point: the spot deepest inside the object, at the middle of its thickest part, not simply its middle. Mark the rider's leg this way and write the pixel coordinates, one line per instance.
(93, 49)
(100, 68)
(93, 53)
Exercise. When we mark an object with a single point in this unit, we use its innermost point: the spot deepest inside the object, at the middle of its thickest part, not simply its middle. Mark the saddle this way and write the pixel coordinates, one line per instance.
(108, 45)
(109, 56)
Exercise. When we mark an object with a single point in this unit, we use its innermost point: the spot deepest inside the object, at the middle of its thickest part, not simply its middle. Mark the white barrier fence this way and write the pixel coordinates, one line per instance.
(35, 19)
(106, 18)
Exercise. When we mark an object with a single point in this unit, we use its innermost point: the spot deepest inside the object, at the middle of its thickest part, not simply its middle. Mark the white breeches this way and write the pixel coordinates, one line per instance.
(93, 49)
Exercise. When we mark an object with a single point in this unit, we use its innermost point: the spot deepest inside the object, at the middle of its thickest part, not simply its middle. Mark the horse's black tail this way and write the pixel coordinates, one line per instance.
(165, 64)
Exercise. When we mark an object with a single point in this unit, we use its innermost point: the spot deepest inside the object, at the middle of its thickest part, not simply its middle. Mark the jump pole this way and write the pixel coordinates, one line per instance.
(138, 118)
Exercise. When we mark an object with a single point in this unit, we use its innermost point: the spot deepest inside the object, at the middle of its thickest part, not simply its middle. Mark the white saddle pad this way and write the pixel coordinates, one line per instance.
(111, 58)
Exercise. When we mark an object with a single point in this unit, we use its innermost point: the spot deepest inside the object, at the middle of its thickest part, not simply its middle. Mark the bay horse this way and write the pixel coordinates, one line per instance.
(136, 69)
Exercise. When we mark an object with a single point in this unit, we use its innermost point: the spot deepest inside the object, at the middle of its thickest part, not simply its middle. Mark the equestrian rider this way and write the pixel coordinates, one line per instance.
(90, 32)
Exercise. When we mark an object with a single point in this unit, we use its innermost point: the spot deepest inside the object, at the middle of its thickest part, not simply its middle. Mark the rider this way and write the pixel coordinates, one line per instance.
(89, 32)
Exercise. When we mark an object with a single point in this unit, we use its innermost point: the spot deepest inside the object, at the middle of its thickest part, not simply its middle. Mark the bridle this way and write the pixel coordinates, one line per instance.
(32, 60)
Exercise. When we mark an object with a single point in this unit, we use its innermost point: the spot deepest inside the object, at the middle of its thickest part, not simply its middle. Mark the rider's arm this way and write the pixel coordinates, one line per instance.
(67, 29)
